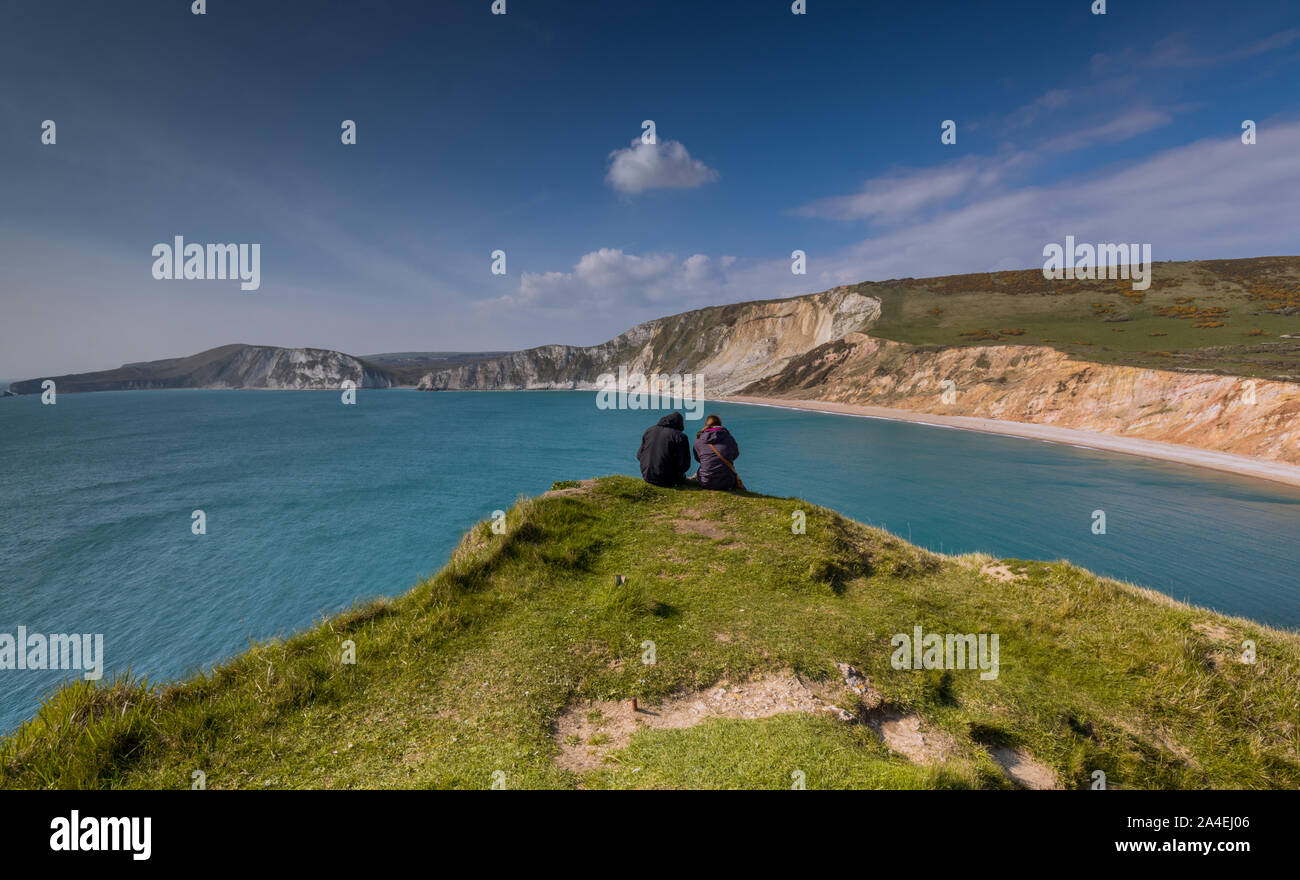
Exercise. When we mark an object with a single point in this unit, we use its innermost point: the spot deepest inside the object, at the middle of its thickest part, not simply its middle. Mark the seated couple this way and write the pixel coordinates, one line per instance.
(665, 454)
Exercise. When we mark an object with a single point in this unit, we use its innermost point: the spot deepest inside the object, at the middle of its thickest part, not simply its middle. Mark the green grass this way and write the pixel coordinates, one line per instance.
(463, 676)
(1082, 318)
(767, 754)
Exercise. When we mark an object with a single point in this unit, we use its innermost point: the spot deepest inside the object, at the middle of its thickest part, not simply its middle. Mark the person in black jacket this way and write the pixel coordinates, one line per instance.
(665, 453)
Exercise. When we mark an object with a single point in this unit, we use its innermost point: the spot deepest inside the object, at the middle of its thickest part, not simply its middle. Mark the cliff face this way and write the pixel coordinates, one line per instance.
(230, 366)
(298, 368)
(731, 346)
(1041, 385)
(544, 367)
(816, 347)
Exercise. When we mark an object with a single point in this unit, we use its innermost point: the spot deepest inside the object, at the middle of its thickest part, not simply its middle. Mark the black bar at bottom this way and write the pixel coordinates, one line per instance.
(334, 829)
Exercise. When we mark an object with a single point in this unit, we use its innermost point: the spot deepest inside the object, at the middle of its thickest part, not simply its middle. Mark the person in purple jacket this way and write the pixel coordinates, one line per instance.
(715, 450)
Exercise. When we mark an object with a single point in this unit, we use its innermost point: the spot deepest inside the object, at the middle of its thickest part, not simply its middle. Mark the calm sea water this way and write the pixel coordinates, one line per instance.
(312, 505)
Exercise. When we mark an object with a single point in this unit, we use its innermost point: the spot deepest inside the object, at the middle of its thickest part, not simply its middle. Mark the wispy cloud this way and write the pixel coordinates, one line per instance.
(1090, 112)
(1176, 51)
(1213, 198)
(1083, 116)
(907, 192)
(1127, 125)
(1049, 101)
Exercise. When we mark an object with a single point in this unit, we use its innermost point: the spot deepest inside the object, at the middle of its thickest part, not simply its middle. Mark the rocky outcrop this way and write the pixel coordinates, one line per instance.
(1041, 385)
(230, 366)
(730, 346)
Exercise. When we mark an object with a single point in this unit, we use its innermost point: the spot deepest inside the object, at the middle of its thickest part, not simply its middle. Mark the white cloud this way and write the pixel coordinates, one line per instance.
(609, 279)
(1216, 198)
(662, 165)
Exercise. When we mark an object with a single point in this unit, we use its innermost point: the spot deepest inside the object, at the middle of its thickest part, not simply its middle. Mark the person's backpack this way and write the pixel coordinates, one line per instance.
(739, 484)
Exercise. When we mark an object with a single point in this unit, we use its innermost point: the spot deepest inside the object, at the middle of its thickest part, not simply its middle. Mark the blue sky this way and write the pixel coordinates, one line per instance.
(776, 132)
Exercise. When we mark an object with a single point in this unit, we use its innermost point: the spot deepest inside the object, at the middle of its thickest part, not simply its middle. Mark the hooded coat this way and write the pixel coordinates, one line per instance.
(665, 453)
(714, 473)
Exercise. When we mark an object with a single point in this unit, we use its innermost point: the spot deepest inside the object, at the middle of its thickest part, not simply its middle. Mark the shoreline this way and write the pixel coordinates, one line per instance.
(1227, 462)
(1208, 459)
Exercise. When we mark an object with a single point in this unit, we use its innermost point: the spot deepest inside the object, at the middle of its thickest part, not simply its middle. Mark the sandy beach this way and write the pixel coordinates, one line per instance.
(1219, 461)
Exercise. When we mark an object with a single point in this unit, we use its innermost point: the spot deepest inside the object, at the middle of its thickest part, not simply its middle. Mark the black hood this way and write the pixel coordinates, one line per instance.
(673, 420)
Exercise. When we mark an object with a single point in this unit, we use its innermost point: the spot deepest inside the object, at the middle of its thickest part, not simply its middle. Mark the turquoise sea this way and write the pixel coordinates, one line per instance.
(312, 505)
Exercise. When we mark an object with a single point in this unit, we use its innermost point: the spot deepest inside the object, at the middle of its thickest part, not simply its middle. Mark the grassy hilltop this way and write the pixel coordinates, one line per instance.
(1235, 317)
(522, 655)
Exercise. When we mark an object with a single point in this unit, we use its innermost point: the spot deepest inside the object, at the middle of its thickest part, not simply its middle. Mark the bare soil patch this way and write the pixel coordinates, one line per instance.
(1215, 631)
(700, 527)
(586, 733)
(1022, 768)
(908, 735)
(1000, 571)
(583, 487)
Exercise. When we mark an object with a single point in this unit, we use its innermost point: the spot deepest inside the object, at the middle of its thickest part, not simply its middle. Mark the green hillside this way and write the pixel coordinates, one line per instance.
(516, 664)
(1223, 316)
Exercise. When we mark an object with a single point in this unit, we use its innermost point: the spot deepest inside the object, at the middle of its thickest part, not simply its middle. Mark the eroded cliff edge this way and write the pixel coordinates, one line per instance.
(731, 346)
(1040, 385)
